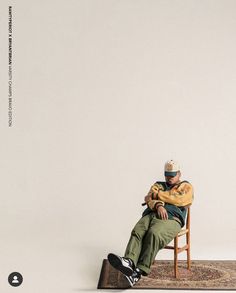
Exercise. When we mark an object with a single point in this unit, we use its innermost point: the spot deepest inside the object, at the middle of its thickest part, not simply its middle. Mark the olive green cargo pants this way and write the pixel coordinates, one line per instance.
(149, 235)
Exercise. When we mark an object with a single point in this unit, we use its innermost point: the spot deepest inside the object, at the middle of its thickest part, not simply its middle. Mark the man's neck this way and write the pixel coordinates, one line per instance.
(171, 185)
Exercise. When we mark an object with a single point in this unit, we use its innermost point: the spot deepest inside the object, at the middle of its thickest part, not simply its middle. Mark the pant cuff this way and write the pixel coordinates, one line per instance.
(143, 268)
(132, 257)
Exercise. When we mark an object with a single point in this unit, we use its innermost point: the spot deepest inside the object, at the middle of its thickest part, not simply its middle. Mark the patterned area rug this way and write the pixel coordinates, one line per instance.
(204, 275)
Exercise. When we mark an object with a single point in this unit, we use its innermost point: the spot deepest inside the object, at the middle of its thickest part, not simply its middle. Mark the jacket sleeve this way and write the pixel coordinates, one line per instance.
(179, 196)
(153, 193)
(152, 204)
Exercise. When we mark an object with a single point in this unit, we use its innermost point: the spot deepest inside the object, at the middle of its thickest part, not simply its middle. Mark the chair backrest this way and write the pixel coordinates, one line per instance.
(188, 219)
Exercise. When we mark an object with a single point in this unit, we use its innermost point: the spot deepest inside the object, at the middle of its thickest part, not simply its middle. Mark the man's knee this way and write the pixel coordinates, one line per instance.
(157, 235)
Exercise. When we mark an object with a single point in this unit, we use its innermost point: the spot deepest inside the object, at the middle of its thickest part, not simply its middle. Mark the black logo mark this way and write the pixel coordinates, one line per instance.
(15, 279)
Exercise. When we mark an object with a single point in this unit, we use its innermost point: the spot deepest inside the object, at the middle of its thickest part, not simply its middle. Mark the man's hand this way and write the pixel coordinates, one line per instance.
(162, 213)
(147, 197)
(152, 192)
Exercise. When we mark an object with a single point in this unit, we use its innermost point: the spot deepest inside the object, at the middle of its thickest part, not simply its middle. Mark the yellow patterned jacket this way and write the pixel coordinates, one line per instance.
(175, 199)
(180, 194)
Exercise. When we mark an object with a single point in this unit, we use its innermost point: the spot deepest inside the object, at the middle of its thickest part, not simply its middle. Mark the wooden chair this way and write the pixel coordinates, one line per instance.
(186, 247)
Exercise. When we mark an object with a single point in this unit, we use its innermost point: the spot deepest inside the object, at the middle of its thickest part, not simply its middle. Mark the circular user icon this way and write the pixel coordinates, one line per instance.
(15, 279)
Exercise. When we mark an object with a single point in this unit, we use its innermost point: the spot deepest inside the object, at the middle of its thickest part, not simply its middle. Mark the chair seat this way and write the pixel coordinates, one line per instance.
(182, 232)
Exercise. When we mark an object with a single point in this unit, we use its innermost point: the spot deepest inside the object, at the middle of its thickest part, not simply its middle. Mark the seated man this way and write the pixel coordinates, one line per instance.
(161, 221)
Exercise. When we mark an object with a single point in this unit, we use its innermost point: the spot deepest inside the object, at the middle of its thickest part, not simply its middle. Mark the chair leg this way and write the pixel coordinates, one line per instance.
(188, 251)
(176, 257)
(188, 259)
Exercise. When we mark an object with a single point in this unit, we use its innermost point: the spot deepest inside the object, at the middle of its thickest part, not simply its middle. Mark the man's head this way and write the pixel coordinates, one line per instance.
(172, 172)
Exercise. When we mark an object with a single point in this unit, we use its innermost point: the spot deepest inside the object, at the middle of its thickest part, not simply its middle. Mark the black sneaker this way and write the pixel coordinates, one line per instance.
(134, 278)
(122, 264)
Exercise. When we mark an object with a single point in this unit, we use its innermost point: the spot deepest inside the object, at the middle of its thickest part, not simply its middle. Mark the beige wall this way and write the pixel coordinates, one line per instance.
(104, 92)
